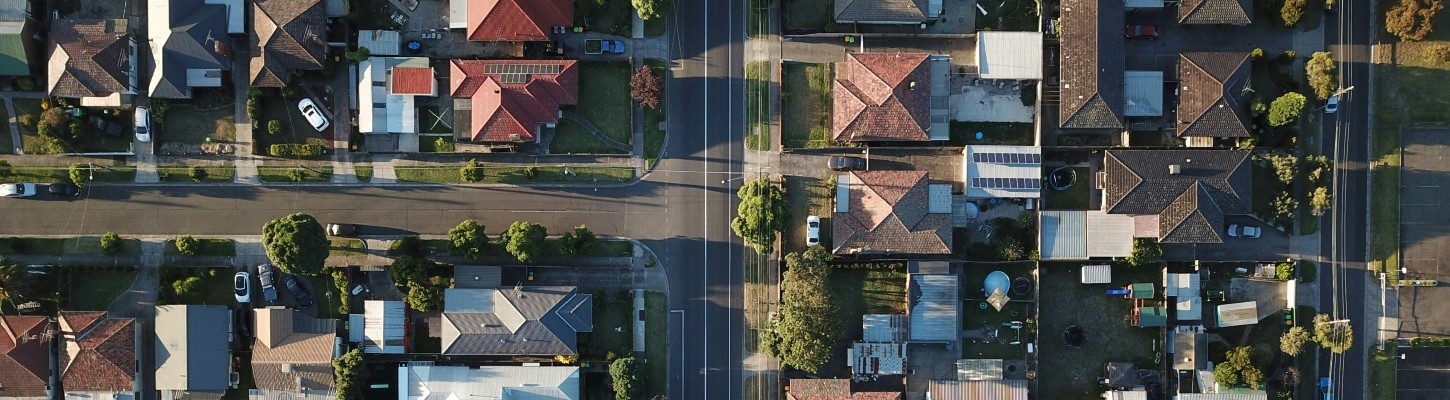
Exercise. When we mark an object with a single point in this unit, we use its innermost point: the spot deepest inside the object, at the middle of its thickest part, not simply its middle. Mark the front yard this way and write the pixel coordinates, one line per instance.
(294, 128)
(805, 102)
(277, 174)
(807, 196)
(89, 245)
(94, 290)
(808, 15)
(604, 101)
(190, 125)
(517, 174)
(654, 131)
(212, 286)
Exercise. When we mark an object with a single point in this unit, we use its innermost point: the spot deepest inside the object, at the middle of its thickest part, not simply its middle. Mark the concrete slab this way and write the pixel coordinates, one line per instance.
(989, 103)
(1425, 238)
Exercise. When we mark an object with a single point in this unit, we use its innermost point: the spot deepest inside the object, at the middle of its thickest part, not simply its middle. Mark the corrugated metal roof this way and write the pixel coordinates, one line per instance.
(1062, 235)
(1009, 55)
(1236, 314)
(877, 358)
(1109, 235)
(883, 328)
(380, 42)
(1181, 285)
(1224, 396)
(383, 326)
(426, 381)
(977, 390)
(1092, 274)
(989, 169)
(1142, 93)
(933, 300)
(979, 369)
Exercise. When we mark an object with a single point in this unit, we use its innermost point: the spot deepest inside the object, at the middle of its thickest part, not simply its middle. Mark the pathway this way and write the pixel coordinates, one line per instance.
(589, 126)
(14, 125)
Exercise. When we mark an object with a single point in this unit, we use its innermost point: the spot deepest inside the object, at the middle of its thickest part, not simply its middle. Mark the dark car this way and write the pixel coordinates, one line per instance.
(265, 273)
(1149, 32)
(243, 321)
(304, 300)
(64, 189)
(342, 230)
(842, 163)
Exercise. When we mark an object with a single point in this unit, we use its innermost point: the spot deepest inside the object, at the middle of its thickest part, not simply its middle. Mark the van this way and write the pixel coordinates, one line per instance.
(143, 124)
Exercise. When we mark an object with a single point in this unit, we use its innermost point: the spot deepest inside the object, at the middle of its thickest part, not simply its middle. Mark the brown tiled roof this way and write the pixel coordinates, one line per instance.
(412, 80)
(1211, 94)
(1230, 12)
(287, 35)
(1190, 204)
(819, 389)
(880, 97)
(1092, 64)
(94, 58)
(291, 341)
(876, 396)
(99, 352)
(887, 213)
(517, 20)
(513, 106)
(869, 11)
(24, 362)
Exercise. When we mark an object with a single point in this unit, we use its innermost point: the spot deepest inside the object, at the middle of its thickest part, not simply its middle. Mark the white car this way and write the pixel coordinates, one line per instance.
(242, 286)
(1332, 105)
(143, 124)
(313, 115)
(17, 190)
(813, 231)
(1244, 231)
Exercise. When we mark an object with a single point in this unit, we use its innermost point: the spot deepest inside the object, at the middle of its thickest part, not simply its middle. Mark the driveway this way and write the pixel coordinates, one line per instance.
(943, 164)
(833, 48)
(1273, 245)
(1162, 54)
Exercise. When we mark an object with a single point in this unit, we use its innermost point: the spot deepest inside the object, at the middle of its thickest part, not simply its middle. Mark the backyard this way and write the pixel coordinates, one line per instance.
(324, 292)
(1008, 15)
(1076, 197)
(1064, 302)
(861, 291)
(609, 16)
(979, 316)
(806, 196)
(94, 290)
(613, 327)
(805, 105)
(604, 101)
(1006, 133)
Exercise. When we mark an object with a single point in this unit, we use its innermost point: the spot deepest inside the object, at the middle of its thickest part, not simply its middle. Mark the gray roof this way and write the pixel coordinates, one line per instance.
(1230, 12)
(437, 382)
(477, 276)
(1092, 60)
(880, 11)
(190, 35)
(1190, 204)
(287, 35)
(933, 299)
(192, 350)
(16, 43)
(1212, 100)
(527, 320)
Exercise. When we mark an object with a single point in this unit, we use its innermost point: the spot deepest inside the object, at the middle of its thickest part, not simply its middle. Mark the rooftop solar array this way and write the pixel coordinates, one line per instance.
(519, 73)
(1007, 183)
(1007, 158)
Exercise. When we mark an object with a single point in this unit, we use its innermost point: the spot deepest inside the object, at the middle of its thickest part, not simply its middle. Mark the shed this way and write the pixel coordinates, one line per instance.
(1143, 93)
(1092, 274)
(1140, 291)
(383, 330)
(877, 358)
(1185, 351)
(1151, 317)
(979, 369)
(1238, 314)
(1009, 55)
(1081, 235)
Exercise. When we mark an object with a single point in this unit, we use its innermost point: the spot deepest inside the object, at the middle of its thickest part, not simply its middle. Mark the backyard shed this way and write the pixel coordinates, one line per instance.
(383, 327)
(1092, 274)
(1140, 291)
(1237, 314)
(1009, 55)
(1151, 317)
(1082, 235)
(979, 369)
(877, 358)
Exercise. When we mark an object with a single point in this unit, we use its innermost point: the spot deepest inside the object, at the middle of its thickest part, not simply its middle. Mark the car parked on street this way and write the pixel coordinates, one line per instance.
(813, 230)
(1332, 106)
(1149, 32)
(304, 299)
(265, 273)
(843, 163)
(313, 114)
(242, 287)
(64, 190)
(1244, 231)
(17, 190)
(342, 230)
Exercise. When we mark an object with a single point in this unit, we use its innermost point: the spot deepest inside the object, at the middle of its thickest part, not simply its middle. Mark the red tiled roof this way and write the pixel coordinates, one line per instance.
(412, 80)
(501, 109)
(100, 352)
(819, 389)
(881, 96)
(517, 20)
(876, 396)
(888, 212)
(23, 359)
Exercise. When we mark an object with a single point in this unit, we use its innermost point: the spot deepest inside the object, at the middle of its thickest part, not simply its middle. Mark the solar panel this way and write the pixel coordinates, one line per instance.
(519, 73)
(1007, 183)
(1007, 158)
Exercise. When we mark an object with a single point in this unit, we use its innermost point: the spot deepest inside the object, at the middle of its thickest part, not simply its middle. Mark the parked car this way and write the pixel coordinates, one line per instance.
(342, 230)
(603, 46)
(17, 190)
(1149, 32)
(244, 321)
(304, 299)
(143, 124)
(1326, 386)
(269, 291)
(813, 230)
(1332, 105)
(314, 116)
(64, 189)
(1244, 231)
(843, 163)
(242, 287)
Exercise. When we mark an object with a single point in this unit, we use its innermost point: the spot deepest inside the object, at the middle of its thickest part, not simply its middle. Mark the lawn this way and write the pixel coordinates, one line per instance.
(758, 19)
(94, 290)
(655, 27)
(284, 174)
(364, 172)
(1064, 301)
(757, 103)
(1382, 368)
(613, 327)
(1075, 197)
(6, 144)
(805, 102)
(345, 247)
(1266, 186)
(608, 16)
(656, 321)
(807, 196)
(63, 246)
(182, 173)
(808, 15)
(1008, 133)
(324, 293)
(654, 131)
(191, 125)
(516, 174)
(1001, 348)
(603, 100)
(295, 128)
(572, 138)
(860, 291)
(206, 247)
(214, 288)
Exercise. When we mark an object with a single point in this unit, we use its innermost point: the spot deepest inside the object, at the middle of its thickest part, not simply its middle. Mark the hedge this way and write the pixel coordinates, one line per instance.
(296, 150)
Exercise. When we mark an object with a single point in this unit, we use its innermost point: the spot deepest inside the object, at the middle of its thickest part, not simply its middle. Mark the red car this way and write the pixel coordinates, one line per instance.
(1149, 32)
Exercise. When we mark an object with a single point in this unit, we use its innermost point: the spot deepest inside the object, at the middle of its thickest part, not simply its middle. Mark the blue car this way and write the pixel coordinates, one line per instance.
(614, 46)
(266, 273)
(1326, 386)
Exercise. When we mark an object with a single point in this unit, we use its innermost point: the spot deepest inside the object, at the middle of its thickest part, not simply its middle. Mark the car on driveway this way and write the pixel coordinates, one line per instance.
(64, 189)
(843, 163)
(342, 230)
(17, 190)
(143, 124)
(313, 114)
(242, 287)
(266, 273)
(304, 299)
(244, 321)
(813, 230)
(1244, 231)
(1149, 32)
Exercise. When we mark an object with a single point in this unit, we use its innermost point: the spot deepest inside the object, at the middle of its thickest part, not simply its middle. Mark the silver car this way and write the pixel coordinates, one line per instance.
(313, 114)
(17, 190)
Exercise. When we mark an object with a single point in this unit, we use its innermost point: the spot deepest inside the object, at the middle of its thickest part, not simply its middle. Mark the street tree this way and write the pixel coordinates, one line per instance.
(1238, 369)
(652, 9)
(1285, 166)
(525, 241)
(351, 375)
(577, 242)
(644, 87)
(625, 374)
(110, 243)
(1412, 20)
(1320, 201)
(1286, 109)
(80, 174)
(1145, 252)
(296, 244)
(1292, 11)
(809, 325)
(762, 214)
(471, 171)
(1337, 336)
(468, 239)
(1293, 341)
(186, 245)
(1321, 71)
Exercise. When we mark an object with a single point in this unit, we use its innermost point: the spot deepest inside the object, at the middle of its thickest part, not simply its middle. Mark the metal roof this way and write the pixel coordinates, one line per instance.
(933, 308)
(424, 381)
(1092, 274)
(379, 110)
(1236, 314)
(877, 358)
(1080, 235)
(883, 328)
(979, 369)
(383, 327)
(978, 390)
(1009, 55)
(380, 42)
(193, 353)
(1143, 93)
(1003, 171)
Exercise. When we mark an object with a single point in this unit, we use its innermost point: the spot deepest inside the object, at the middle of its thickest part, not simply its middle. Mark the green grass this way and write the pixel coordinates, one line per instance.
(613, 326)
(191, 125)
(868, 291)
(364, 173)
(1385, 217)
(295, 128)
(1266, 187)
(215, 287)
(1075, 197)
(280, 174)
(805, 102)
(7, 145)
(1065, 301)
(612, 248)
(88, 245)
(1014, 15)
(1382, 368)
(656, 322)
(515, 174)
(182, 173)
(429, 144)
(324, 294)
(431, 120)
(1008, 133)
(974, 318)
(809, 15)
(757, 105)
(654, 132)
(94, 290)
(572, 138)
(807, 196)
(757, 20)
(655, 27)
(345, 247)
(206, 247)
(604, 98)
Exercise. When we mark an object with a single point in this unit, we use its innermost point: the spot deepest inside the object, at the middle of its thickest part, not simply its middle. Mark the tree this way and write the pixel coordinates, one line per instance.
(198, 173)
(1412, 20)
(525, 240)
(77, 129)
(1009, 248)
(644, 86)
(809, 324)
(186, 245)
(184, 287)
(296, 244)
(577, 243)
(1257, 54)
(1238, 369)
(1320, 201)
(51, 121)
(423, 296)
(110, 243)
(1145, 252)
(406, 246)
(1285, 109)
(1321, 70)
(408, 269)
(80, 174)
(471, 171)
(652, 9)
(1293, 341)
(15, 281)
(1285, 165)
(468, 239)
(1292, 11)
(351, 375)
(625, 374)
(762, 214)
(274, 127)
(359, 55)
(1284, 206)
(1337, 336)
(1284, 271)
(1314, 168)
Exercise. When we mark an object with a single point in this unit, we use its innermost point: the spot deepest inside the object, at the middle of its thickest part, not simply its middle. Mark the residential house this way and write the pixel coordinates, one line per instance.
(388, 88)
(1006, 389)
(887, 97)
(293, 352)
(424, 381)
(1216, 12)
(1213, 97)
(98, 358)
(509, 101)
(193, 353)
(1091, 89)
(190, 47)
(1177, 196)
(1002, 172)
(887, 12)
(520, 320)
(288, 36)
(832, 389)
(380, 327)
(510, 20)
(91, 60)
(891, 212)
(17, 37)
(25, 357)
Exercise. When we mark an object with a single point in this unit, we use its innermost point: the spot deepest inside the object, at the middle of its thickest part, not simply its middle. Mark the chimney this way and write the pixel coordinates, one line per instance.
(1175, 169)
(287, 368)
(913, 85)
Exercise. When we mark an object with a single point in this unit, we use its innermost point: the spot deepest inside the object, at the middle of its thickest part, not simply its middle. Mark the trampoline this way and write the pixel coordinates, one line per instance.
(1021, 286)
(1062, 178)
(1074, 336)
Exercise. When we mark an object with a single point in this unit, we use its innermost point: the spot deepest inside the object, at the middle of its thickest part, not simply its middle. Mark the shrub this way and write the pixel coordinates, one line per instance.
(186, 244)
(27, 120)
(577, 242)
(1284, 271)
(289, 91)
(295, 174)
(1284, 206)
(625, 374)
(357, 56)
(531, 172)
(274, 127)
(110, 243)
(77, 129)
(1320, 201)
(1286, 109)
(1288, 55)
(198, 173)
(80, 174)
(443, 145)
(1257, 54)
(1292, 11)
(471, 171)
(295, 150)
(1145, 252)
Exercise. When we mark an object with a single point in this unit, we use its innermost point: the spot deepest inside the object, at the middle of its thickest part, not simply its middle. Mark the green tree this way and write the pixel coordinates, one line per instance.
(423, 296)
(1320, 201)
(625, 374)
(762, 214)
(15, 281)
(1238, 369)
(1284, 206)
(1145, 252)
(110, 243)
(468, 239)
(1412, 20)
(1338, 337)
(406, 246)
(296, 244)
(183, 288)
(578, 242)
(1285, 166)
(339, 282)
(274, 127)
(1321, 71)
(1009, 248)
(80, 174)
(471, 171)
(198, 173)
(1292, 11)
(351, 375)
(1284, 271)
(652, 9)
(359, 55)
(525, 240)
(443, 145)
(1286, 109)
(810, 324)
(1293, 341)
(408, 269)
(186, 245)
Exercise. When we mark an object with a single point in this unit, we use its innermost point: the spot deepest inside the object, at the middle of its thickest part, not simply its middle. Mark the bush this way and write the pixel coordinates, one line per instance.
(443, 145)
(289, 91)
(625, 374)
(1412, 20)
(77, 129)
(531, 172)
(27, 120)
(110, 243)
(471, 171)
(198, 173)
(1319, 201)
(406, 246)
(351, 375)
(578, 242)
(252, 111)
(1145, 252)
(296, 150)
(1321, 72)
(187, 245)
(274, 127)
(1292, 11)
(80, 174)
(1257, 54)
(184, 287)
(357, 56)
(1284, 271)
(1284, 206)
(1286, 109)
(1258, 107)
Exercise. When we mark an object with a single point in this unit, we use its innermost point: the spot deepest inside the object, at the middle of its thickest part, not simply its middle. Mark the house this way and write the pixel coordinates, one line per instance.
(1006, 389)
(1216, 12)
(98, 357)
(891, 212)
(1092, 65)
(520, 320)
(1002, 171)
(17, 38)
(193, 355)
(388, 88)
(25, 357)
(288, 36)
(91, 60)
(423, 381)
(888, 97)
(887, 12)
(293, 352)
(932, 301)
(1213, 99)
(379, 329)
(510, 20)
(1009, 55)
(189, 46)
(832, 389)
(509, 100)
(1177, 196)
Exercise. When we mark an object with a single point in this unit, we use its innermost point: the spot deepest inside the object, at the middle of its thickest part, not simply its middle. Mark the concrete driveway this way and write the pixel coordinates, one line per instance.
(1162, 54)
(1273, 245)
(943, 164)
